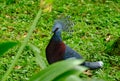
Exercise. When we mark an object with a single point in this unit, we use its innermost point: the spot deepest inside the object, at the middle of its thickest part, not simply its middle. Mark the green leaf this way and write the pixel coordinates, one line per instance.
(5, 46)
(75, 71)
(55, 70)
(39, 59)
(73, 78)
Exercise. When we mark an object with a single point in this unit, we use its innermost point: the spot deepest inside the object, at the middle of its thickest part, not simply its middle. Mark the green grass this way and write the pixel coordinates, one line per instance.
(94, 23)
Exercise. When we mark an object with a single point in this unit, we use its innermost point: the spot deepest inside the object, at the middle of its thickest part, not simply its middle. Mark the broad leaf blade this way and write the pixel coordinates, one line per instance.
(55, 70)
(5, 46)
(75, 71)
(39, 59)
(73, 78)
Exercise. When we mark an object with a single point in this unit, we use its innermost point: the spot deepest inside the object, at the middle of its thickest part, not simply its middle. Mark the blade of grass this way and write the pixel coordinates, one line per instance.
(22, 45)
(5, 46)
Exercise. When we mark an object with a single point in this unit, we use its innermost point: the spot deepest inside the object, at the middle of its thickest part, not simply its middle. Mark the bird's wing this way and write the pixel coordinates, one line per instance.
(70, 53)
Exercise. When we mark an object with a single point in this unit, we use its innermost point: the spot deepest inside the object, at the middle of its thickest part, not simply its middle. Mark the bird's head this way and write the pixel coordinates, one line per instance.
(57, 26)
(63, 24)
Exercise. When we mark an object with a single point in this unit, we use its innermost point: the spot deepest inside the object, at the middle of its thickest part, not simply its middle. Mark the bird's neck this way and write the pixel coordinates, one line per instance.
(57, 36)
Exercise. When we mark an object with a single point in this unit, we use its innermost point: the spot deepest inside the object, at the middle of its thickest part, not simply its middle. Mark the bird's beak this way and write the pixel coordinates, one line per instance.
(53, 31)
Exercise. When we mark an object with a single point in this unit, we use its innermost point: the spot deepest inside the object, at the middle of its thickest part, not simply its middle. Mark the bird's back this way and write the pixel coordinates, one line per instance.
(70, 53)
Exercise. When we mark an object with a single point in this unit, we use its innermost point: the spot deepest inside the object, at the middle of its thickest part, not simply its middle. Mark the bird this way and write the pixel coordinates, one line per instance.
(57, 50)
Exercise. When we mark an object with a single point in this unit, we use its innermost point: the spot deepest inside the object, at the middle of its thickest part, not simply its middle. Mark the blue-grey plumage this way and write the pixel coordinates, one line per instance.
(57, 35)
(70, 53)
(64, 24)
(59, 25)
(93, 65)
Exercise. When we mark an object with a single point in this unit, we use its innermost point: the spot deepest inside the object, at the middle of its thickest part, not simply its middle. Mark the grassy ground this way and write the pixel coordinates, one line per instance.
(97, 25)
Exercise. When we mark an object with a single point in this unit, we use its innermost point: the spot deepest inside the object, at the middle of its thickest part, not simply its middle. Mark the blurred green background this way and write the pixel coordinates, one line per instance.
(97, 26)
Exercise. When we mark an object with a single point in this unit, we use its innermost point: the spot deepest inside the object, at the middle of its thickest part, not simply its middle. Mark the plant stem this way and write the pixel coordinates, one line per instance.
(22, 45)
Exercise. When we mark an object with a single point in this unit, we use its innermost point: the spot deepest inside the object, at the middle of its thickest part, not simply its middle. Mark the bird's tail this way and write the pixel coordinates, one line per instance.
(93, 65)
